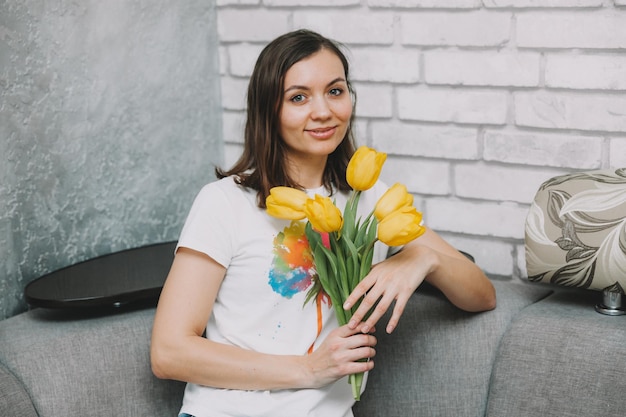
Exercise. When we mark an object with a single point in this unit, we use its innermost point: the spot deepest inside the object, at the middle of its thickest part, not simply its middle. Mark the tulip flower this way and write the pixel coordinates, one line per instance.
(394, 198)
(364, 168)
(401, 226)
(286, 203)
(323, 214)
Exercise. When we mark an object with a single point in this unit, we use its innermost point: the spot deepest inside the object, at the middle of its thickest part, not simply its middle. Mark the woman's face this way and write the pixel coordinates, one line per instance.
(316, 107)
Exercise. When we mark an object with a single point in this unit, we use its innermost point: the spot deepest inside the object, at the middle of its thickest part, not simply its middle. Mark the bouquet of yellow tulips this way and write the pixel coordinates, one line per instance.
(342, 245)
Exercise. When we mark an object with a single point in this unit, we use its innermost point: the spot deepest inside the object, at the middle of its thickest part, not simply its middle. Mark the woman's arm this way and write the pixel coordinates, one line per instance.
(429, 258)
(178, 350)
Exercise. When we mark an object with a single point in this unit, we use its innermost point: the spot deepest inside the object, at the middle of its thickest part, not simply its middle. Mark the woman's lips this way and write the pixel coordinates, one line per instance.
(322, 133)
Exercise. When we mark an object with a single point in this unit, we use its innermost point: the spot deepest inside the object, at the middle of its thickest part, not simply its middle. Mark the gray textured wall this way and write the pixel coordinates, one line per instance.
(109, 124)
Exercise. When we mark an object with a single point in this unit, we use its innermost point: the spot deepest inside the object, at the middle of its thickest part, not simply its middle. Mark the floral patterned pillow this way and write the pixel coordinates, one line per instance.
(576, 231)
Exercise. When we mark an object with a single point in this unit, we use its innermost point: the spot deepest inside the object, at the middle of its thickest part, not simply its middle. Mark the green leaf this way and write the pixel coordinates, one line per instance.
(342, 273)
(322, 253)
(315, 240)
(322, 262)
(366, 262)
(372, 229)
(342, 315)
(313, 291)
(361, 233)
(312, 236)
(348, 228)
(352, 250)
(350, 223)
(329, 281)
(352, 265)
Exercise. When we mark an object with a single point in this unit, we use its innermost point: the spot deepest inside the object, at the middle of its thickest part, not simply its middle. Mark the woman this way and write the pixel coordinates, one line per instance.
(231, 320)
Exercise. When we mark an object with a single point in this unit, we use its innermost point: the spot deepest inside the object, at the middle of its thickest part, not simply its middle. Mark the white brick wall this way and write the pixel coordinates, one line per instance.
(566, 110)
(472, 28)
(618, 152)
(543, 149)
(482, 68)
(452, 105)
(597, 29)
(593, 71)
(382, 64)
(476, 101)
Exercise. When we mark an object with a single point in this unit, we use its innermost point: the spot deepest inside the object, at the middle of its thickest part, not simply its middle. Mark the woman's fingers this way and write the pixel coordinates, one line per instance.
(345, 351)
(374, 302)
(379, 290)
(359, 291)
(398, 310)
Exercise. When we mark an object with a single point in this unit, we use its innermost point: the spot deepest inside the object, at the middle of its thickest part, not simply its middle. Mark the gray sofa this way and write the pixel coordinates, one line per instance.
(544, 350)
(541, 352)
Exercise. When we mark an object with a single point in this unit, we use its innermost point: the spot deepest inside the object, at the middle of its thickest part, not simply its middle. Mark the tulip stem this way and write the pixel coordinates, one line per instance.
(356, 380)
(353, 202)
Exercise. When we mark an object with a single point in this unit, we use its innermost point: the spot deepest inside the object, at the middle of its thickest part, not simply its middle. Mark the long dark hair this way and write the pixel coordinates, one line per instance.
(262, 163)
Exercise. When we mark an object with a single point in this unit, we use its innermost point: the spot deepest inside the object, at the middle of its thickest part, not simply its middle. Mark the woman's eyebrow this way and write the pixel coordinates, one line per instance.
(304, 87)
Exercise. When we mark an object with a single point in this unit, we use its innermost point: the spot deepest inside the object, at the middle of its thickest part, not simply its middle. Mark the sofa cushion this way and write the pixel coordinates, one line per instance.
(438, 361)
(576, 231)
(14, 400)
(561, 358)
(92, 366)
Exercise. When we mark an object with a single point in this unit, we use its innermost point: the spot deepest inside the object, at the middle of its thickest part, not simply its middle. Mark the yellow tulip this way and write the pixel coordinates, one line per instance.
(364, 168)
(286, 203)
(401, 226)
(323, 214)
(394, 198)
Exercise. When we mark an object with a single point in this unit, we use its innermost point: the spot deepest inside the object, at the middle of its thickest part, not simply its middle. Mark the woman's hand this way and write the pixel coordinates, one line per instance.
(428, 258)
(396, 278)
(339, 355)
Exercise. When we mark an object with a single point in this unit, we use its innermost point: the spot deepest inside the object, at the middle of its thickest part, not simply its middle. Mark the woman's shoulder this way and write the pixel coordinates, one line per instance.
(226, 190)
(227, 185)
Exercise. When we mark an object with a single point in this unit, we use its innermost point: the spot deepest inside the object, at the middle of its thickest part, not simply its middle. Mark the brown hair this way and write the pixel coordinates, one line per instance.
(262, 166)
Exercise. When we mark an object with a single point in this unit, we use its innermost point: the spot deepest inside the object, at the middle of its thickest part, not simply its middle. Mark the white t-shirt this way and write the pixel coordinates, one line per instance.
(260, 304)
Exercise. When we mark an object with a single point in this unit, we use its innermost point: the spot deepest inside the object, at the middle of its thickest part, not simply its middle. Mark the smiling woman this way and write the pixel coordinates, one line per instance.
(233, 319)
(263, 163)
(315, 114)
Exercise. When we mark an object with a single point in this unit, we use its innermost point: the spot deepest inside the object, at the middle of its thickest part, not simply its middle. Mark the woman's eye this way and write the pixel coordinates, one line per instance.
(298, 98)
(336, 91)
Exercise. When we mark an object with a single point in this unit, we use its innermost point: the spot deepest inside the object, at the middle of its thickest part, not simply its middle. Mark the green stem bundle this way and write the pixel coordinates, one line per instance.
(343, 264)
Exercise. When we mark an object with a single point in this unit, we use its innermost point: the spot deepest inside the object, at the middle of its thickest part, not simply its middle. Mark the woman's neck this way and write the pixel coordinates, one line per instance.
(308, 173)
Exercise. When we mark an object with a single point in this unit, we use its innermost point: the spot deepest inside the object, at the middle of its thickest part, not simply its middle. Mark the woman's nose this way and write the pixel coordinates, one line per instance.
(321, 109)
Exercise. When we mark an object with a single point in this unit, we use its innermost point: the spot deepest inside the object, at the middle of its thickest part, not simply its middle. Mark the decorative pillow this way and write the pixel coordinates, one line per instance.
(576, 231)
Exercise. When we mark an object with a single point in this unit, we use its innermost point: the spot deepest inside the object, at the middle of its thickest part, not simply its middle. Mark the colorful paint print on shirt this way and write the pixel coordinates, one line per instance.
(292, 269)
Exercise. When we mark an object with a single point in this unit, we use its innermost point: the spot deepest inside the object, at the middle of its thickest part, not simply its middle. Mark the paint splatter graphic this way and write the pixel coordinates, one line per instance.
(293, 270)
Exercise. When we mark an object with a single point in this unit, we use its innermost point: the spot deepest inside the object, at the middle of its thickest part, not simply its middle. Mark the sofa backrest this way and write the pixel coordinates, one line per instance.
(438, 361)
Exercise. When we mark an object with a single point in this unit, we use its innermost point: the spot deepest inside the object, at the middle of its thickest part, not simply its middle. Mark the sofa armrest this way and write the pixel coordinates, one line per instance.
(90, 366)
(14, 400)
(560, 358)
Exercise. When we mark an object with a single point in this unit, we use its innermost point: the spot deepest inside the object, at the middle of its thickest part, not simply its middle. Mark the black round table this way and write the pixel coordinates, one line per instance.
(127, 277)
